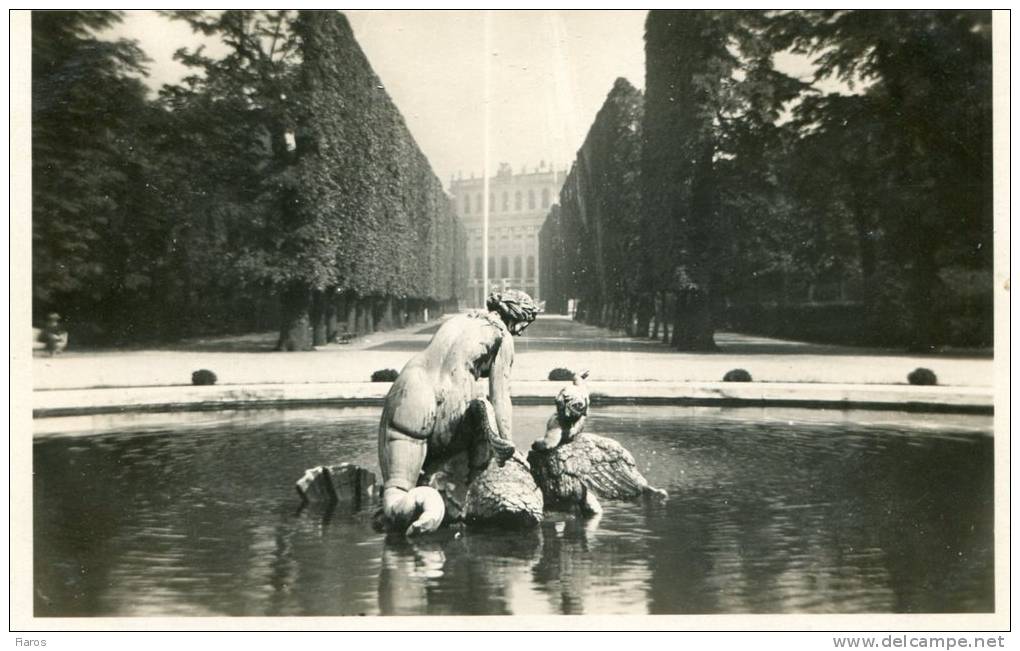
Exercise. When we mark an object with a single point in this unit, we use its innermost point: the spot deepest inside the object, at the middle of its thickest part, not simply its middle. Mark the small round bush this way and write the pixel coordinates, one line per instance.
(561, 375)
(384, 375)
(203, 377)
(922, 376)
(737, 375)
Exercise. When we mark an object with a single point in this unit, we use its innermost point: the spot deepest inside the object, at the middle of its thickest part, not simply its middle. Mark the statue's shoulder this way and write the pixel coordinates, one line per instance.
(490, 318)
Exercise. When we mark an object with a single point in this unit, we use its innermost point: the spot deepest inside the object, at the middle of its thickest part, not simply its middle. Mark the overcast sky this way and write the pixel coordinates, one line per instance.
(550, 72)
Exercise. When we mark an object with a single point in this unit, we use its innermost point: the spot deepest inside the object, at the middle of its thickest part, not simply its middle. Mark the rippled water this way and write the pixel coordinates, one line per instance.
(771, 511)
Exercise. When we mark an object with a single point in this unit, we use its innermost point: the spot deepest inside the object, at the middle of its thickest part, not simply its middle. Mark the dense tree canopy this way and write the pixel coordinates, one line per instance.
(278, 184)
(596, 225)
(279, 171)
(87, 164)
(861, 216)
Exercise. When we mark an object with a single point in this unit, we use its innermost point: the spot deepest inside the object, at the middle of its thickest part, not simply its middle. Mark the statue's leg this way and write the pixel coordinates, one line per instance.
(479, 429)
(420, 507)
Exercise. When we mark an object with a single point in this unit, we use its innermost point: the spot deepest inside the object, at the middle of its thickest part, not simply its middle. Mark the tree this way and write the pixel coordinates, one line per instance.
(86, 103)
(929, 93)
(710, 83)
(600, 204)
(255, 87)
(367, 192)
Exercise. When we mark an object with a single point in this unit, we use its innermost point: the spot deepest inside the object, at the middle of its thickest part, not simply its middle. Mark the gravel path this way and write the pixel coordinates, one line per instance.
(551, 342)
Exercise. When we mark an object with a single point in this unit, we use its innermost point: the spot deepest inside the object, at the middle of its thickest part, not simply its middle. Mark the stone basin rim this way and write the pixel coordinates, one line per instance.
(926, 399)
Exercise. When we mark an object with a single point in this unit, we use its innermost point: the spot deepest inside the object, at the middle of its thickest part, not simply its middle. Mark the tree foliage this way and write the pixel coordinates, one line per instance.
(767, 205)
(277, 171)
(87, 163)
(598, 217)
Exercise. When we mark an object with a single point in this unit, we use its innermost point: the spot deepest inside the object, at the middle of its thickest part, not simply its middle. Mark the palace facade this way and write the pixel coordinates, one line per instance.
(518, 205)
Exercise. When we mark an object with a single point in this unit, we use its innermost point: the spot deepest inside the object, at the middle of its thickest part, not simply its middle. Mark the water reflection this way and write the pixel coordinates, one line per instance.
(763, 517)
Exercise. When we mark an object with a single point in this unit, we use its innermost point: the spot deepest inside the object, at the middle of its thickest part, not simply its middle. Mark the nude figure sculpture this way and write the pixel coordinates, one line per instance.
(431, 413)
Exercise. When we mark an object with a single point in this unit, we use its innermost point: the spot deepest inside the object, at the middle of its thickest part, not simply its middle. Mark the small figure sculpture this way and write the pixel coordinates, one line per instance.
(576, 469)
(430, 416)
(571, 414)
(53, 335)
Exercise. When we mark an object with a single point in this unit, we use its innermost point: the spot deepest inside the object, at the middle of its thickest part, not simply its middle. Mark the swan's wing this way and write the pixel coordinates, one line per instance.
(612, 472)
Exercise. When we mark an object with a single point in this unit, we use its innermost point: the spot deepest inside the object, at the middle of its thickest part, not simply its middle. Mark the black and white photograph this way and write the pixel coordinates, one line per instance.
(471, 318)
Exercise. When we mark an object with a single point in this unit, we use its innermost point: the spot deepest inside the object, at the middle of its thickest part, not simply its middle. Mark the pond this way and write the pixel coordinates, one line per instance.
(770, 511)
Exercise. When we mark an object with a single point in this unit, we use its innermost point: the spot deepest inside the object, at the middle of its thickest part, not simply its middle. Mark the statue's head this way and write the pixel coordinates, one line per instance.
(572, 401)
(514, 307)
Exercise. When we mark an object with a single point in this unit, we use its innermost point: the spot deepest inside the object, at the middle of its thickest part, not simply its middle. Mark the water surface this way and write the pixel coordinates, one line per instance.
(771, 511)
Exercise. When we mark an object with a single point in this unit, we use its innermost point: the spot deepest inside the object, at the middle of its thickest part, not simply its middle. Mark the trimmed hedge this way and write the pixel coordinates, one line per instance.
(589, 245)
(385, 375)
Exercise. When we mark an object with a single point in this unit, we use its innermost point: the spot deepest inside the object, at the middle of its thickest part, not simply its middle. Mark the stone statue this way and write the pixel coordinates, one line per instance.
(53, 335)
(576, 469)
(430, 413)
(570, 417)
(504, 495)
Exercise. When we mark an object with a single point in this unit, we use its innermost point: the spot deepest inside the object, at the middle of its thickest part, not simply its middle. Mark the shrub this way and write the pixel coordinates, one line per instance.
(922, 376)
(737, 375)
(203, 377)
(385, 375)
(560, 374)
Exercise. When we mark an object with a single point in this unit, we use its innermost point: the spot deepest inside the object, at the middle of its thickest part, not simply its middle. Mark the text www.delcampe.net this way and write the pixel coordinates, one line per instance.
(901, 641)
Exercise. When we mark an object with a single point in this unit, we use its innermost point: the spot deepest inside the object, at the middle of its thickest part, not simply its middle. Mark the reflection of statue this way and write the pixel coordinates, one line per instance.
(473, 572)
(429, 414)
(406, 571)
(565, 567)
(573, 468)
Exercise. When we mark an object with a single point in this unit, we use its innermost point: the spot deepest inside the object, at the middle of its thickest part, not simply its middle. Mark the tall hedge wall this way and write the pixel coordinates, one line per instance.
(383, 243)
(591, 243)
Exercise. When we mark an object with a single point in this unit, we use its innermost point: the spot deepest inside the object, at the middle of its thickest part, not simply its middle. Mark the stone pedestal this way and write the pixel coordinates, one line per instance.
(505, 496)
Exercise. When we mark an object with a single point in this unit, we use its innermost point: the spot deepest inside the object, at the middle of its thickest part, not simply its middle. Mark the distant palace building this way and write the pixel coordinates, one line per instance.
(518, 205)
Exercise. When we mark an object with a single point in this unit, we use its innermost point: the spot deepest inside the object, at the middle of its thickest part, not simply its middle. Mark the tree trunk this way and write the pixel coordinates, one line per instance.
(694, 327)
(295, 327)
(366, 323)
(656, 316)
(386, 319)
(868, 258)
(318, 315)
(924, 330)
(334, 307)
(362, 316)
(668, 303)
(678, 309)
(352, 313)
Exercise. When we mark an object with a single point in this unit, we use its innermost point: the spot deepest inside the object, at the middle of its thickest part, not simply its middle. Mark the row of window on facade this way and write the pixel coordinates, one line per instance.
(518, 201)
(505, 233)
(504, 267)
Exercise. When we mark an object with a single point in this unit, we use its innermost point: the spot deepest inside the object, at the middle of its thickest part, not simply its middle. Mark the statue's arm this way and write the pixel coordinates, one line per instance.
(577, 427)
(553, 434)
(499, 387)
